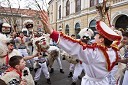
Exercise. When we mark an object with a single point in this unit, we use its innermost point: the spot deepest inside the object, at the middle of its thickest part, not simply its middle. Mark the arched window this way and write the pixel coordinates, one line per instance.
(77, 29)
(67, 8)
(67, 30)
(122, 22)
(78, 5)
(92, 25)
(60, 12)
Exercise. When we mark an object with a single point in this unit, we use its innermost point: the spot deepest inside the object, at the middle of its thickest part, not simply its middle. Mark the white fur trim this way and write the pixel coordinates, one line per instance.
(86, 32)
(6, 25)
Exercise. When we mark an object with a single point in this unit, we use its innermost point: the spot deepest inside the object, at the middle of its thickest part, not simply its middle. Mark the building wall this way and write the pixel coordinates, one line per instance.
(86, 15)
(20, 18)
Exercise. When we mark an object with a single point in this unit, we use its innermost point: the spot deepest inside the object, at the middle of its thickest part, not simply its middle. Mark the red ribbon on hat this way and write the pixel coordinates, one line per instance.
(101, 30)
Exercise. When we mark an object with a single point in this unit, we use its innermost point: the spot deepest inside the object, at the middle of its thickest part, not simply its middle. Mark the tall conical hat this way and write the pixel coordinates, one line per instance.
(106, 31)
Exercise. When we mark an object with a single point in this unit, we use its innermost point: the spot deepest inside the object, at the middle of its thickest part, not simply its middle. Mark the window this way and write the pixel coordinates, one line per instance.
(95, 2)
(67, 8)
(77, 30)
(67, 30)
(78, 5)
(92, 25)
(122, 22)
(60, 12)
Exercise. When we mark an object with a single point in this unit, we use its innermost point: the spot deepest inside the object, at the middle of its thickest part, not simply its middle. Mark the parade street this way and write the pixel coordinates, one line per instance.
(58, 78)
(63, 42)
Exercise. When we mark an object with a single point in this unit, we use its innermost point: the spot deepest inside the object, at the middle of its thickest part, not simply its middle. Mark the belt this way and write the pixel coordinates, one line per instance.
(92, 79)
(42, 61)
(21, 48)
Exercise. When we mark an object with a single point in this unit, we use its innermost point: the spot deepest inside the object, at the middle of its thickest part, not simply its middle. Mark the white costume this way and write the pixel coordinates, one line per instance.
(77, 72)
(3, 52)
(21, 45)
(98, 59)
(79, 67)
(58, 57)
(125, 80)
(43, 67)
(41, 62)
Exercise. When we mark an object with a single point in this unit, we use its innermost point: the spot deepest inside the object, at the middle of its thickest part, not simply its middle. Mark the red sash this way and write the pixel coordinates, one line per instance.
(11, 69)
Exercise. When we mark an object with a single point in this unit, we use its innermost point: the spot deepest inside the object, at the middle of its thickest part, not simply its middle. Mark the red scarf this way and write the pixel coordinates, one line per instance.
(22, 41)
(11, 69)
(7, 59)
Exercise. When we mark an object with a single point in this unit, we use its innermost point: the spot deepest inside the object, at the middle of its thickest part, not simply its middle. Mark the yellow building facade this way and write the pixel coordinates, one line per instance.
(71, 16)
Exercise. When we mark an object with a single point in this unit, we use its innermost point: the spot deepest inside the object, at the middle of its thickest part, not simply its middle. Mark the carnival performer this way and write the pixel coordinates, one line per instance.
(53, 46)
(57, 58)
(5, 29)
(22, 46)
(124, 43)
(86, 35)
(40, 64)
(72, 66)
(99, 58)
(21, 43)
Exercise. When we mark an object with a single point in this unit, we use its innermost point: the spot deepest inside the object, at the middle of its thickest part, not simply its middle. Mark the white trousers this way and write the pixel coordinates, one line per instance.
(71, 67)
(43, 68)
(125, 80)
(77, 71)
(111, 76)
(23, 52)
(86, 80)
(59, 62)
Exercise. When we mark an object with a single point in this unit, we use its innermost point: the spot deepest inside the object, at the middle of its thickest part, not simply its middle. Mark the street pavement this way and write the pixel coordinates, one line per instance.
(58, 78)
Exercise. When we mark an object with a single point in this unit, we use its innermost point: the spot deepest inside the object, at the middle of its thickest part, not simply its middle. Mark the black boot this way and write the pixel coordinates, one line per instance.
(70, 75)
(35, 82)
(52, 70)
(73, 83)
(49, 81)
(79, 77)
(35, 70)
(61, 71)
